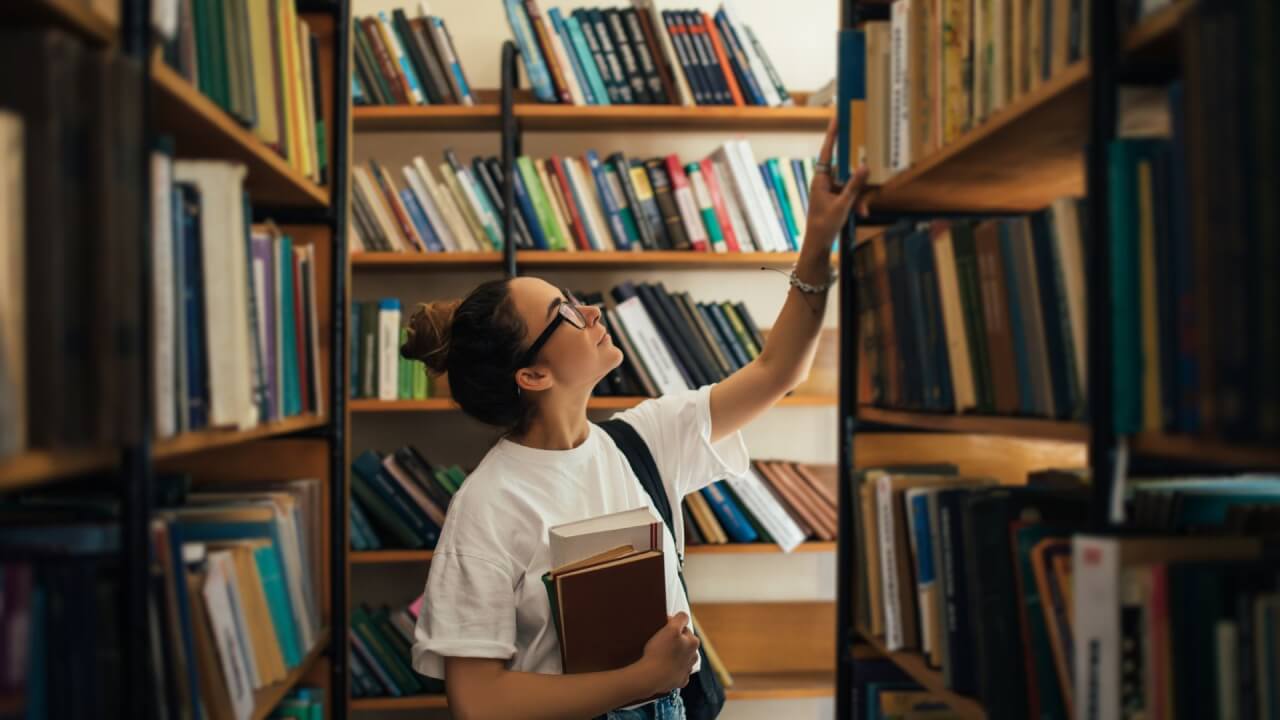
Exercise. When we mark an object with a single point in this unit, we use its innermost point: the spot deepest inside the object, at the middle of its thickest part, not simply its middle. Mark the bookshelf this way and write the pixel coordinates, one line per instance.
(391, 557)
(914, 665)
(71, 15)
(366, 262)
(444, 404)
(977, 424)
(38, 467)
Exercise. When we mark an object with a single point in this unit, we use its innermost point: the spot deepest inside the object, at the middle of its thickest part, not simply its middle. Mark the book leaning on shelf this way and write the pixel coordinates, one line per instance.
(402, 60)
(774, 502)
(237, 340)
(70, 226)
(381, 653)
(726, 202)
(258, 61)
(976, 316)
(645, 54)
(399, 499)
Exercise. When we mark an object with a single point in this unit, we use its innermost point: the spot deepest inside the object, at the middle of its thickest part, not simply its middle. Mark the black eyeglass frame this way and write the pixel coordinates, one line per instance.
(569, 310)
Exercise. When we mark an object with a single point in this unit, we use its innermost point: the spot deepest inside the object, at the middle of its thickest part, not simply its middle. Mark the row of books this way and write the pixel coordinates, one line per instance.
(883, 691)
(726, 202)
(985, 316)
(304, 703)
(644, 55)
(381, 653)
(236, 585)
(235, 310)
(377, 369)
(260, 62)
(775, 502)
(937, 70)
(401, 60)
(70, 226)
(399, 499)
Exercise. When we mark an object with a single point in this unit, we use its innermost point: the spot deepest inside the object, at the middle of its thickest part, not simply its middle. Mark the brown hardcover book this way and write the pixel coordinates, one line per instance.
(555, 169)
(661, 182)
(871, 557)
(395, 82)
(826, 513)
(437, 73)
(659, 57)
(823, 479)
(609, 611)
(995, 315)
(795, 501)
(772, 487)
(889, 339)
(543, 36)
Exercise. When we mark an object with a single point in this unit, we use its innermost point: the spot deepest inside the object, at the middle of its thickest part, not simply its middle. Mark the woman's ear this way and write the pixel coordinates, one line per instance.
(533, 379)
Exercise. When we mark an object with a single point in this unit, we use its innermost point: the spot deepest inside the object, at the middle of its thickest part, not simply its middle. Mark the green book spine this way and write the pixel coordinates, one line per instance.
(292, 389)
(382, 652)
(400, 648)
(278, 603)
(541, 203)
(456, 475)
(1126, 310)
(714, 233)
(384, 513)
(784, 202)
(446, 482)
(740, 329)
(221, 61)
(204, 45)
(382, 89)
(404, 371)
(368, 349)
(418, 379)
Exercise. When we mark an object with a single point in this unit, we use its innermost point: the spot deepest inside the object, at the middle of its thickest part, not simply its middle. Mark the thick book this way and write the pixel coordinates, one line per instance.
(580, 540)
(621, 86)
(729, 514)
(626, 53)
(645, 56)
(996, 319)
(665, 198)
(530, 51)
(607, 612)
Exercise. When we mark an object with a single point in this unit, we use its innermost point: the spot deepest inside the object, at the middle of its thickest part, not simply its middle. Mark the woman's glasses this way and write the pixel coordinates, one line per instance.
(569, 310)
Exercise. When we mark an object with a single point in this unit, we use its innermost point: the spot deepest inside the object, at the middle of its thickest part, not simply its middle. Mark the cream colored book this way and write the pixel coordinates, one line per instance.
(308, 101)
(13, 372)
(448, 209)
(464, 206)
(594, 214)
(378, 206)
(429, 208)
(963, 390)
(265, 88)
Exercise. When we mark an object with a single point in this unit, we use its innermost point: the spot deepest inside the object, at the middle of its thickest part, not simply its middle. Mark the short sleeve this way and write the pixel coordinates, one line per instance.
(677, 429)
(470, 611)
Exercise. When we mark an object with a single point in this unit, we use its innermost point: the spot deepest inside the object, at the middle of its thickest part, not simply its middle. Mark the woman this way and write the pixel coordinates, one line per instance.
(524, 356)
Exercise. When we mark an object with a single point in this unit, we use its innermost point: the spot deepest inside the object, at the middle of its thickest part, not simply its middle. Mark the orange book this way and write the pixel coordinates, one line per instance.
(709, 28)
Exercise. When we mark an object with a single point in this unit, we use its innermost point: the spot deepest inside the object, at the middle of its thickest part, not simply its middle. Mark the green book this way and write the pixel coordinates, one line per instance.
(456, 475)
(383, 513)
(784, 201)
(541, 203)
(740, 329)
(971, 305)
(708, 212)
(221, 60)
(273, 586)
(417, 380)
(287, 327)
(368, 349)
(384, 652)
(404, 371)
(446, 482)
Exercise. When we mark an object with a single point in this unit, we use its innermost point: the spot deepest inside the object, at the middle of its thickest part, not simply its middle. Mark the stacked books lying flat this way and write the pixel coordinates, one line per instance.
(775, 502)
(62, 653)
(994, 586)
(726, 202)
(1193, 269)
(381, 653)
(924, 88)
(671, 343)
(985, 316)
(260, 62)
(377, 369)
(300, 704)
(399, 500)
(882, 691)
(643, 55)
(237, 333)
(401, 60)
(70, 235)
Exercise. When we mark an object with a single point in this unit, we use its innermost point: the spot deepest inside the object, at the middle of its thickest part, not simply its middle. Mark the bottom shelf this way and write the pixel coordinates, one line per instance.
(266, 699)
(914, 665)
(410, 702)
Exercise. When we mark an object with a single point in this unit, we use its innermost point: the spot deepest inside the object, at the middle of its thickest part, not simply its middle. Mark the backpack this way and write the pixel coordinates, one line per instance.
(704, 695)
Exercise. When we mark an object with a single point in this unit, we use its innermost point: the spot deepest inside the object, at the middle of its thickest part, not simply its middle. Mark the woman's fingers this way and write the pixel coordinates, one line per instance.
(828, 143)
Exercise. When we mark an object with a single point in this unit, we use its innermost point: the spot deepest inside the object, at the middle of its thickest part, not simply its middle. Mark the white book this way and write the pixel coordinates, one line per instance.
(689, 214)
(575, 541)
(964, 393)
(388, 348)
(574, 82)
(462, 236)
(702, 196)
(684, 96)
(594, 213)
(769, 218)
(13, 242)
(744, 199)
(899, 91)
(648, 343)
(429, 208)
(893, 637)
(765, 507)
(225, 564)
(230, 652)
(729, 193)
(225, 268)
(754, 61)
(163, 302)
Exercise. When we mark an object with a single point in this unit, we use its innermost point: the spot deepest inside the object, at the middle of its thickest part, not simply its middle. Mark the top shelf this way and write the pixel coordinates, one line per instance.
(73, 15)
(1029, 153)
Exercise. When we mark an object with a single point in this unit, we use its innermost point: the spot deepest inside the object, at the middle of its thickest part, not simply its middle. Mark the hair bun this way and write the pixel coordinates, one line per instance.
(430, 334)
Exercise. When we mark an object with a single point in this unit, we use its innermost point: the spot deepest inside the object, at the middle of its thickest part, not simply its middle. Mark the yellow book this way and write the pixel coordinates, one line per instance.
(296, 84)
(1152, 414)
(284, 70)
(789, 176)
(707, 523)
(308, 99)
(956, 56)
(265, 91)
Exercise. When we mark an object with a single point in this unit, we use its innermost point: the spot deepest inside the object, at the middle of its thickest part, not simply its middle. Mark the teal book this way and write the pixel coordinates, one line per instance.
(788, 212)
(383, 513)
(273, 586)
(751, 519)
(360, 525)
(385, 651)
(598, 91)
(288, 328)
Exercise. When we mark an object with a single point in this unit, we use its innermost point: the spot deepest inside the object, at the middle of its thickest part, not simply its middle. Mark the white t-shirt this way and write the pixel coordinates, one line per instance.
(484, 595)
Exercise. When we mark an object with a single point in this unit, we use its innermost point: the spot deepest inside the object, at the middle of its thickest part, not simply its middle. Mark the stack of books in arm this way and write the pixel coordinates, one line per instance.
(381, 653)
(607, 588)
(399, 499)
(726, 202)
(645, 54)
(402, 60)
(774, 502)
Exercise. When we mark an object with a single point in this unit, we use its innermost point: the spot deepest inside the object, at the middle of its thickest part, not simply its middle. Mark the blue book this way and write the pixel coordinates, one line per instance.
(594, 24)
(581, 20)
(355, 349)
(571, 51)
(180, 330)
(1022, 363)
(729, 514)
(419, 219)
(611, 210)
(586, 59)
(357, 91)
(851, 86)
(534, 64)
(525, 203)
(369, 466)
(284, 269)
(802, 182)
(777, 204)
(79, 539)
(751, 91)
(360, 522)
(718, 335)
(357, 538)
(450, 58)
(193, 303)
(406, 66)
(721, 323)
(277, 592)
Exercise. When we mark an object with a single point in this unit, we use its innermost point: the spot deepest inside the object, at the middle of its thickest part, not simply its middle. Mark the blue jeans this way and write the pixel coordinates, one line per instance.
(670, 707)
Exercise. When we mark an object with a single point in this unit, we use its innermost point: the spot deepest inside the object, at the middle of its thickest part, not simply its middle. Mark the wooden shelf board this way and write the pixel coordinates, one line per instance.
(913, 664)
(621, 402)
(782, 685)
(415, 118)
(384, 261)
(266, 699)
(35, 467)
(1204, 450)
(390, 557)
(757, 548)
(73, 15)
(201, 129)
(979, 424)
(412, 702)
(202, 440)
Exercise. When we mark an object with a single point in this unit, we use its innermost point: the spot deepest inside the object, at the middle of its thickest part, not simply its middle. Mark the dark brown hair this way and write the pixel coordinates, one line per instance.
(477, 341)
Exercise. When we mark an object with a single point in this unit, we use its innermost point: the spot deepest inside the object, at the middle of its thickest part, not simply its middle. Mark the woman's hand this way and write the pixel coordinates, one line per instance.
(669, 656)
(829, 203)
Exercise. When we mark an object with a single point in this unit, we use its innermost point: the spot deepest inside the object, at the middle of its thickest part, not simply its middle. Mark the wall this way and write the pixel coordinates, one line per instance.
(800, 37)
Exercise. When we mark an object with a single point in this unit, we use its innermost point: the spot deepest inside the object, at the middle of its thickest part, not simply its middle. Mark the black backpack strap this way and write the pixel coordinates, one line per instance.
(636, 450)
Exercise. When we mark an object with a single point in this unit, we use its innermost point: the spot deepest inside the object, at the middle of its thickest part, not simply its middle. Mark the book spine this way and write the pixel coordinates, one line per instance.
(401, 59)
(717, 198)
(418, 216)
(680, 43)
(621, 85)
(729, 515)
(644, 57)
(579, 90)
(543, 35)
(635, 77)
(587, 60)
(644, 226)
(688, 207)
(611, 209)
(1095, 564)
(753, 94)
(648, 342)
(702, 196)
(661, 61)
(525, 202)
(721, 58)
(667, 204)
(449, 57)
(603, 68)
(420, 28)
(576, 224)
(649, 211)
(711, 68)
(409, 42)
(526, 41)
(442, 236)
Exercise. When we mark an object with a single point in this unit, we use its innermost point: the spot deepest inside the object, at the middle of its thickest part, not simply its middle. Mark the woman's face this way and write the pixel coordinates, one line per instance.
(571, 357)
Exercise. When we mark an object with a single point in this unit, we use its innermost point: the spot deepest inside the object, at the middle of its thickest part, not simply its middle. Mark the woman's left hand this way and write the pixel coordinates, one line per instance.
(829, 203)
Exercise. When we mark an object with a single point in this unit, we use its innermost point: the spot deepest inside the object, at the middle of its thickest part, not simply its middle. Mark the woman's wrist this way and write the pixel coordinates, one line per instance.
(814, 263)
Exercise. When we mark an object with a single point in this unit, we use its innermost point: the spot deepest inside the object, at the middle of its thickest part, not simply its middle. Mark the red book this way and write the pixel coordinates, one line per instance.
(689, 212)
(300, 321)
(708, 27)
(717, 201)
(555, 166)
